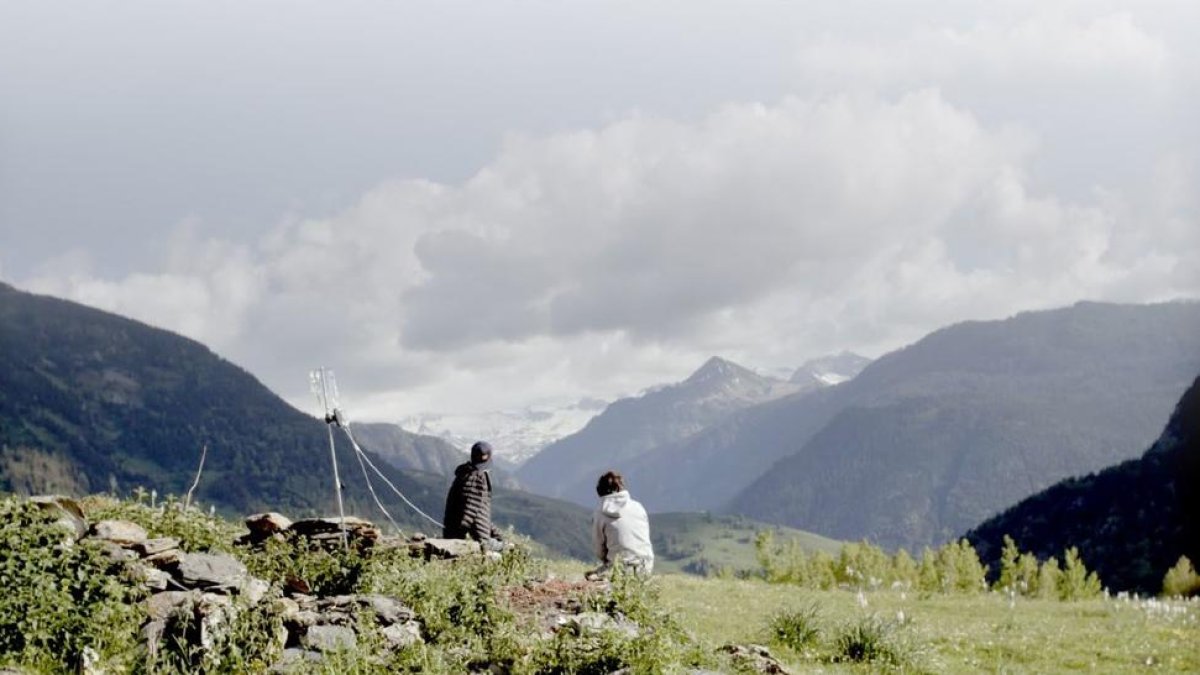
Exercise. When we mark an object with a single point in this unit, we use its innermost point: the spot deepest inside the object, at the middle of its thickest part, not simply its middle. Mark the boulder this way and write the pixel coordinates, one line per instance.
(450, 548)
(66, 511)
(328, 638)
(263, 525)
(155, 546)
(215, 571)
(120, 532)
(755, 658)
(387, 610)
(401, 635)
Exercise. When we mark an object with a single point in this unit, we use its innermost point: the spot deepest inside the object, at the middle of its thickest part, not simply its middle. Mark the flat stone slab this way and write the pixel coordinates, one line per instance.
(327, 638)
(450, 548)
(155, 546)
(211, 570)
(120, 532)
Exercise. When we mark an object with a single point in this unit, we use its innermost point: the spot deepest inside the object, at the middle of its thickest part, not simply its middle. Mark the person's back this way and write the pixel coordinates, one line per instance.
(469, 501)
(620, 528)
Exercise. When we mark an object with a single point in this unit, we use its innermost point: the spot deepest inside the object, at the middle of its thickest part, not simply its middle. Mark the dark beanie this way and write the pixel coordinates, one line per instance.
(481, 452)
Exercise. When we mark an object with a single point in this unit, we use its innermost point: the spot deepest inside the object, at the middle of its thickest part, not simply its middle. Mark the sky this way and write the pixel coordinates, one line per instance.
(471, 206)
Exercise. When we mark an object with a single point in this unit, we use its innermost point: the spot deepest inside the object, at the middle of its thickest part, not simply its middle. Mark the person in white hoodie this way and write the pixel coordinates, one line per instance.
(620, 529)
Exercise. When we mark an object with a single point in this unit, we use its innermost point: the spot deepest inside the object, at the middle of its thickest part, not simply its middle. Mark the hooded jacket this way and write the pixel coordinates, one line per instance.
(469, 505)
(621, 531)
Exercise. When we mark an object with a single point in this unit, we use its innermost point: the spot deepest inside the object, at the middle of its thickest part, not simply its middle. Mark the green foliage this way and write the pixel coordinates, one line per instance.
(797, 629)
(869, 640)
(1048, 579)
(1181, 580)
(1076, 583)
(296, 562)
(60, 599)
(195, 530)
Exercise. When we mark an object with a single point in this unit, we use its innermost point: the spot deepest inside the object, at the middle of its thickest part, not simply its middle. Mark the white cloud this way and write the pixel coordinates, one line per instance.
(604, 260)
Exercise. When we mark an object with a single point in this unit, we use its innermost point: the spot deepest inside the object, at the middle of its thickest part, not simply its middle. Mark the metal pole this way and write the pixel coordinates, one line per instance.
(337, 482)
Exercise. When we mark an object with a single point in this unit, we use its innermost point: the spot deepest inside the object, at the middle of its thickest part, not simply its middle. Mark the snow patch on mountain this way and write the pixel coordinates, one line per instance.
(515, 435)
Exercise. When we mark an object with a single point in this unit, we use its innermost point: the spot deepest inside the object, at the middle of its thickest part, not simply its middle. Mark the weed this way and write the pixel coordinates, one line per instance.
(869, 640)
(797, 629)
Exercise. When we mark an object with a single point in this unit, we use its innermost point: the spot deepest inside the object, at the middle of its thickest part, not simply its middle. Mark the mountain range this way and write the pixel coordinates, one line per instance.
(934, 438)
(632, 428)
(1130, 522)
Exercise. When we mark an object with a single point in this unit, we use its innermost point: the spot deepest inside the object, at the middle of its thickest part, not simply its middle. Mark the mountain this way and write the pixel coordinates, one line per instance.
(931, 439)
(91, 401)
(1130, 522)
(629, 427)
(515, 435)
(408, 451)
(829, 370)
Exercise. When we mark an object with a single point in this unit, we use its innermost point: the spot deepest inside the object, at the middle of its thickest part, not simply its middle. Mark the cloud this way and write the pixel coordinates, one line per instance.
(603, 260)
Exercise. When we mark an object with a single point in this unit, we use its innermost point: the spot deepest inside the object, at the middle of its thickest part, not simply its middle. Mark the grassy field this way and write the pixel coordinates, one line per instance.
(701, 542)
(950, 633)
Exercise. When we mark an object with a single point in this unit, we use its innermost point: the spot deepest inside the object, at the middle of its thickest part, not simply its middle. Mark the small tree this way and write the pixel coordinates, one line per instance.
(1076, 583)
(1027, 574)
(1181, 580)
(969, 573)
(1048, 576)
(904, 569)
(1008, 566)
(928, 579)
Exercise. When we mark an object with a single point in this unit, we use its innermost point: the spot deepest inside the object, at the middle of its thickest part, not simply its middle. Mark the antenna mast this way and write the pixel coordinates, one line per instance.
(324, 386)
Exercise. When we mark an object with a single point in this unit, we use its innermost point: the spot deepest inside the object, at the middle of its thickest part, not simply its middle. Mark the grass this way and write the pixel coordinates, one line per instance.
(950, 633)
(706, 544)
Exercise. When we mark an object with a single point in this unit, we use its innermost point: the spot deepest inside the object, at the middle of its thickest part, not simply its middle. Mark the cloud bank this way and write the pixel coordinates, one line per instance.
(601, 260)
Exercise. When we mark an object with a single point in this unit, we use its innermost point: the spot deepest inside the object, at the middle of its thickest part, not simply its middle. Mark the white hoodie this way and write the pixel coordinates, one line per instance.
(621, 532)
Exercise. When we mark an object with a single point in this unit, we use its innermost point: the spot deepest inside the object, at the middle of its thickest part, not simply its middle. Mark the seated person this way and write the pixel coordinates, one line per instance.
(620, 529)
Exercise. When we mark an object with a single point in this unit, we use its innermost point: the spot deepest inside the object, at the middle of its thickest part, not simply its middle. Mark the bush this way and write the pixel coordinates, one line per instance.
(1181, 580)
(869, 640)
(797, 629)
(62, 600)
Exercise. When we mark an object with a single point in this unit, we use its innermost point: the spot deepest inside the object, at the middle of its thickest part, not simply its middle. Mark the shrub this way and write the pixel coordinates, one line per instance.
(869, 640)
(1076, 583)
(1181, 580)
(195, 530)
(60, 598)
(797, 629)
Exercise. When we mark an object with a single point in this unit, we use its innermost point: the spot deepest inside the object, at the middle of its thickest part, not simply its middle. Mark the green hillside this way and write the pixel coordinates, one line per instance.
(705, 544)
(1131, 521)
(94, 402)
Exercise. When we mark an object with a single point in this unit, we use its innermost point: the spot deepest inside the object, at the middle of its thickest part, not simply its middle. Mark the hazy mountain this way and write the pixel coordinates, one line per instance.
(829, 370)
(516, 435)
(933, 438)
(406, 450)
(1130, 522)
(630, 427)
(91, 401)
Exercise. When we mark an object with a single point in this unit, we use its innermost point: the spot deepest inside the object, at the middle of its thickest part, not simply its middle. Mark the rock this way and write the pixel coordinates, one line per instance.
(304, 618)
(263, 525)
(164, 559)
(162, 606)
(67, 512)
(294, 658)
(151, 577)
(152, 636)
(450, 548)
(113, 551)
(211, 571)
(326, 638)
(387, 610)
(401, 635)
(254, 590)
(120, 532)
(327, 531)
(155, 546)
(216, 613)
(591, 622)
(756, 658)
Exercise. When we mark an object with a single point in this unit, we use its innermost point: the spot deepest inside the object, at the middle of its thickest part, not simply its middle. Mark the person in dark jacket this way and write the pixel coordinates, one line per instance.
(469, 502)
